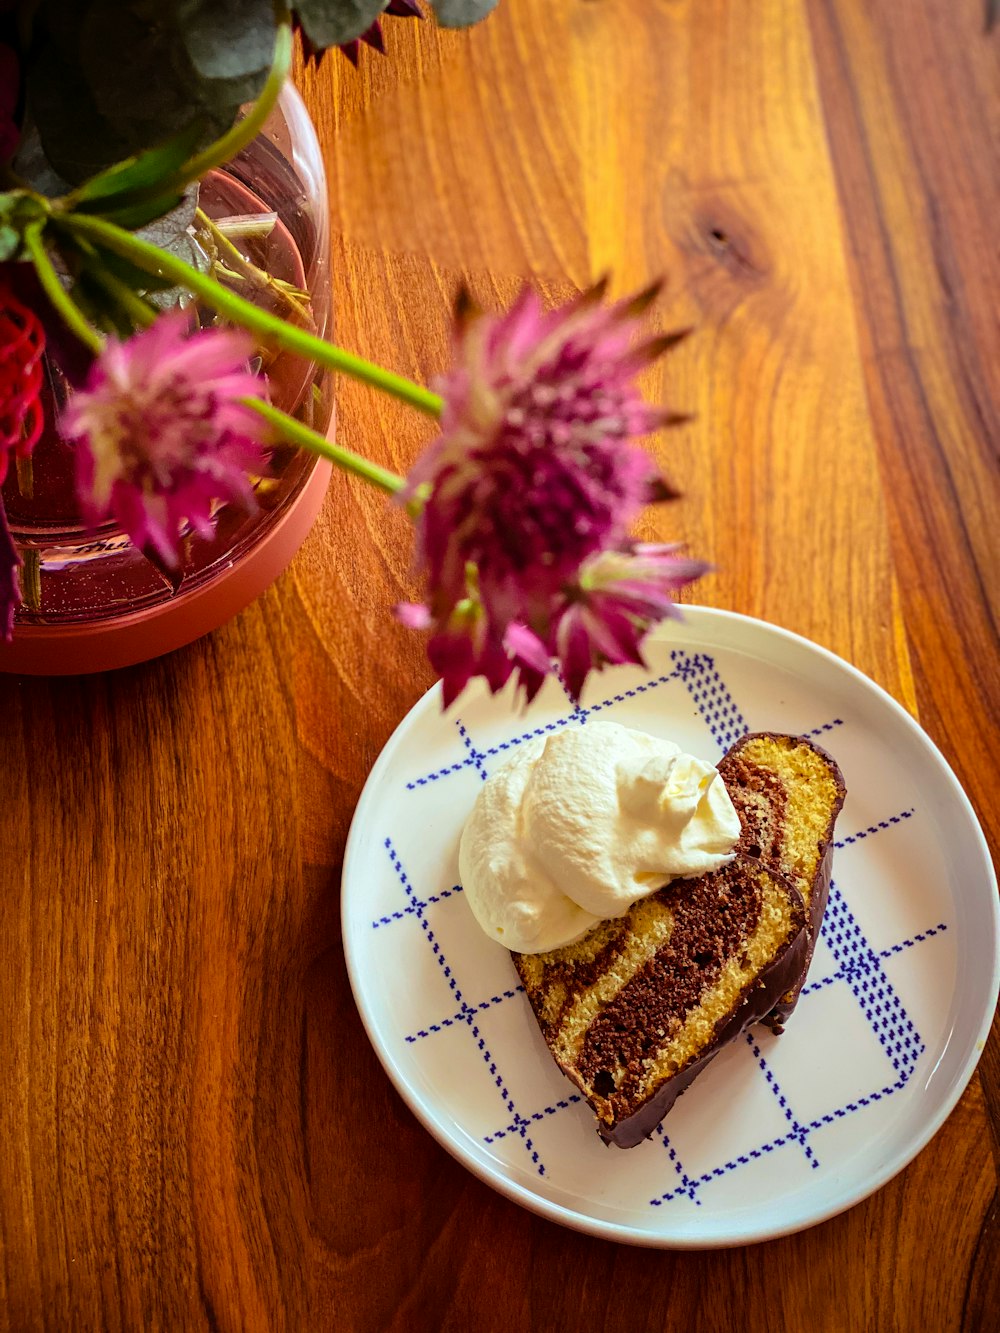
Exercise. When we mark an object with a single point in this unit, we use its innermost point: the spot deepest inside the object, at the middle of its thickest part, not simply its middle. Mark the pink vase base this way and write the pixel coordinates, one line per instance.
(120, 641)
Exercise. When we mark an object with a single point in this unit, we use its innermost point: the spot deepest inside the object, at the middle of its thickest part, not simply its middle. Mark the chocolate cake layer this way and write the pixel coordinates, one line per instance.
(712, 917)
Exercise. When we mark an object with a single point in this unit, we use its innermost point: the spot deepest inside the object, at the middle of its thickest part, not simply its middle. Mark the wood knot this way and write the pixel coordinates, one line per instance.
(733, 246)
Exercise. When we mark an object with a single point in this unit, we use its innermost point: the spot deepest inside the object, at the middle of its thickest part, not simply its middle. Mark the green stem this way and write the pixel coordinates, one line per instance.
(273, 331)
(295, 433)
(139, 311)
(55, 291)
(243, 267)
(25, 475)
(245, 130)
(31, 579)
(246, 225)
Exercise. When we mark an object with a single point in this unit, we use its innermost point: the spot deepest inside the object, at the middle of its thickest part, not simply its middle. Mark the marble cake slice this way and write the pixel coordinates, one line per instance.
(636, 1009)
(788, 792)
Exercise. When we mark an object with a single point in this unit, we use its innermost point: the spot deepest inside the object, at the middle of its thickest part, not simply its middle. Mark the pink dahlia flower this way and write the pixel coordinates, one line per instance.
(535, 475)
(161, 435)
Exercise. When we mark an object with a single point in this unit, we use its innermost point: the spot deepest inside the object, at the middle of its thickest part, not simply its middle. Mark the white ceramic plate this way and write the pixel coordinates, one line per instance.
(779, 1132)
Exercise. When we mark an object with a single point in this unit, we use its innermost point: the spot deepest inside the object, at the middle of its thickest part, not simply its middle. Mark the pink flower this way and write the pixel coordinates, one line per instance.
(620, 595)
(466, 645)
(534, 477)
(535, 468)
(161, 435)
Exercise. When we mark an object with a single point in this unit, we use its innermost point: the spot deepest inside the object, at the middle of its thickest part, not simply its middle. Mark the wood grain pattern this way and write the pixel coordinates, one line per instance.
(195, 1132)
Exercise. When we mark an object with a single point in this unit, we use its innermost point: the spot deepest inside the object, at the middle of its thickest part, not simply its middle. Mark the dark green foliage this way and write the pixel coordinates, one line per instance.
(121, 183)
(332, 22)
(110, 78)
(460, 13)
(329, 23)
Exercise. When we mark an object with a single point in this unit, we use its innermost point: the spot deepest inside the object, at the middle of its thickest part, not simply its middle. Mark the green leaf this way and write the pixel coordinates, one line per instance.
(33, 167)
(123, 269)
(333, 22)
(228, 39)
(171, 234)
(229, 47)
(99, 308)
(164, 231)
(138, 215)
(138, 173)
(17, 211)
(132, 305)
(74, 139)
(109, 79)
(10, 242)
(460, 13)
(141, 77)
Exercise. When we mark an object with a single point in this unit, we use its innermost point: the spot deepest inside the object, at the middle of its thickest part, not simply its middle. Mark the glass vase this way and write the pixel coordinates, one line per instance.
(92, 600)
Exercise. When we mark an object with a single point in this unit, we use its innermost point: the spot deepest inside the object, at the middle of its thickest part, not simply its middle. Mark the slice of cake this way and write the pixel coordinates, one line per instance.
(788, 793)
(634, 1010)
(637, 1008)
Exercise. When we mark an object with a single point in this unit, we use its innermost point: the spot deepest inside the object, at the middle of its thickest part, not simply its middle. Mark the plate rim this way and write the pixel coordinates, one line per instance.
(693, 615)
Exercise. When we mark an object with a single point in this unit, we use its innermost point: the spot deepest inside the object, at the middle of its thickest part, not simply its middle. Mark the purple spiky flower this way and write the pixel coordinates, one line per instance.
(468, 643)
(535, 474)
(161, 435)
(617, 599)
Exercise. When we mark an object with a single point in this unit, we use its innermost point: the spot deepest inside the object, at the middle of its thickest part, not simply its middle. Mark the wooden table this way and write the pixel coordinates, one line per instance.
(194, 1131)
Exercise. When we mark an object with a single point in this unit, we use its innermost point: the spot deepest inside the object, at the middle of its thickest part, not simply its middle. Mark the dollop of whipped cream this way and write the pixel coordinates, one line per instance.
(580, 824)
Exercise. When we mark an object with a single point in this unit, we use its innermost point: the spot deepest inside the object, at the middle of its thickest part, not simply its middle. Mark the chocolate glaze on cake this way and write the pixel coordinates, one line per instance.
(783, 785)
(756, 1003)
